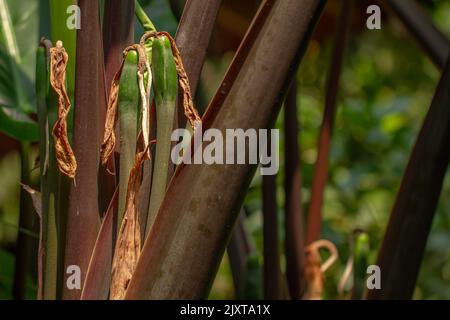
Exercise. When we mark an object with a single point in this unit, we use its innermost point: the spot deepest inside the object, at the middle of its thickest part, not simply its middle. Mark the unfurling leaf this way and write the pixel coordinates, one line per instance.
(128, 248)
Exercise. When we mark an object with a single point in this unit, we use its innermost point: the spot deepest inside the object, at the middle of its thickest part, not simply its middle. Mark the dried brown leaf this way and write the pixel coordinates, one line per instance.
(314, 268)
(128, 248)
(64, 154)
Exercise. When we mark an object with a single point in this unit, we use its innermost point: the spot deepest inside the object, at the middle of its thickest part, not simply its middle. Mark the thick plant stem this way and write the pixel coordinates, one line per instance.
(272, 271)
(26, 219)
(321, 167)
(83, 219)
(410, 222)
(182, 252)
(294, 243)
(118, 28)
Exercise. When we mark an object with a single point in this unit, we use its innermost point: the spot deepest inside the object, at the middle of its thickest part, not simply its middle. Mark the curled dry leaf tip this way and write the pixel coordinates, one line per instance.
(64, 154)
(314, 268)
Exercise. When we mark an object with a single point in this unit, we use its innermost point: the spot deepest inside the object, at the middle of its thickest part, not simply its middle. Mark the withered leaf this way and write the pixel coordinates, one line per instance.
(64, 155)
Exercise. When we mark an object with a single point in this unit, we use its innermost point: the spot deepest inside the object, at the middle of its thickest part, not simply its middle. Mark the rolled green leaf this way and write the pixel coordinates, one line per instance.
(129, 124)
(47, 108)
(165, 84)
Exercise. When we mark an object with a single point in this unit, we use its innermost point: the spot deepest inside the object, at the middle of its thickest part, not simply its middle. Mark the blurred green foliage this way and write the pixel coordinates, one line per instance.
(385, 91)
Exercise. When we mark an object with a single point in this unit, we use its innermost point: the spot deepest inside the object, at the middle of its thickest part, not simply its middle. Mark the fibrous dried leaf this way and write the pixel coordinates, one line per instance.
(64, 155)
(314, 269)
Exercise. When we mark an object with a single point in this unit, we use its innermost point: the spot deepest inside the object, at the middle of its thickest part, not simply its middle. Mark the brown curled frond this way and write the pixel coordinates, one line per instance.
(188, 103)
(109, 137)
(64, 155)
(314, 269)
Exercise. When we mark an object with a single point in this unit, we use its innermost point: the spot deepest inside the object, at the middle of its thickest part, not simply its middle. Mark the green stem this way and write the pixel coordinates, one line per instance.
(47, 110)
(129, 119)
(165, 81)
(143, 19)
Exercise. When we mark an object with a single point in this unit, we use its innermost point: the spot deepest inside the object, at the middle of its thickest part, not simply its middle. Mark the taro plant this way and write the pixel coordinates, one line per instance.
(118, 218)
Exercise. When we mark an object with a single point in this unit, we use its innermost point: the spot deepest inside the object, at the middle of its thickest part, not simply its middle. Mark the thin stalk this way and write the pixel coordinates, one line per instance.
(23, 254)
(294, 243)
(44, 148)
(239, 249)
(47, 114)
(409, 225)
(169, 267)
(321, 167)
(272, 270)
(143, 19)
